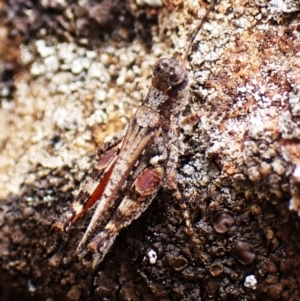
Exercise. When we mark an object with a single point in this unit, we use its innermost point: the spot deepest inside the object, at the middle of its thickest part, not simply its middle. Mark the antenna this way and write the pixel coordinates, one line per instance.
(196, 31)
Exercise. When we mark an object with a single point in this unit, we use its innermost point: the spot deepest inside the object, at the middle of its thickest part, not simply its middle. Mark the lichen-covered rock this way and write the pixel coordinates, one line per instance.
(68, 88)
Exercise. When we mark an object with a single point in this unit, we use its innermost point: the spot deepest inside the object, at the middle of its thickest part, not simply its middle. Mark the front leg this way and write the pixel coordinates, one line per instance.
(171, 138)
(193, 118)
(161, 151)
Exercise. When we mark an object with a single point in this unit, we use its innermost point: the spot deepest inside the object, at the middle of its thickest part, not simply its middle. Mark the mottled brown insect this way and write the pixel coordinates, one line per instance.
(134, 163)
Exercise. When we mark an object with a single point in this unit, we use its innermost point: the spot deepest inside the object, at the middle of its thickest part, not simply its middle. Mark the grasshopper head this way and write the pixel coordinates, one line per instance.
(169, 76)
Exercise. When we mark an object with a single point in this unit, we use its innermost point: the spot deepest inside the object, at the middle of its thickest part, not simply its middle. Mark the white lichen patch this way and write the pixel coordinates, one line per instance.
(152, 256)
(70, 96)
(250, 282)
(153, 3)
(283, 6)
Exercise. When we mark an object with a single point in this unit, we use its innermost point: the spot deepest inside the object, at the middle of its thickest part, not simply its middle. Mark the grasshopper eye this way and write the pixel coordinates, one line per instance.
(177, 75)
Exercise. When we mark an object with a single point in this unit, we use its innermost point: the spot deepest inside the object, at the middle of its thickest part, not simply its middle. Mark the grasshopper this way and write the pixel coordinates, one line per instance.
(133, 165)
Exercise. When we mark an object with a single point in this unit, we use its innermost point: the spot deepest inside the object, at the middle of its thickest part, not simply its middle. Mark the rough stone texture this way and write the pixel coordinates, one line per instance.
(73, 87)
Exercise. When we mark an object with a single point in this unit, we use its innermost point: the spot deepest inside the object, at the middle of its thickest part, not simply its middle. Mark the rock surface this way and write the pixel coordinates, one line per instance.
(69, 81)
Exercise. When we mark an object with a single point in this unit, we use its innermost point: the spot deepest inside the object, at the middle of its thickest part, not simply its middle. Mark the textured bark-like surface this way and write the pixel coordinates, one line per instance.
(70, 80)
